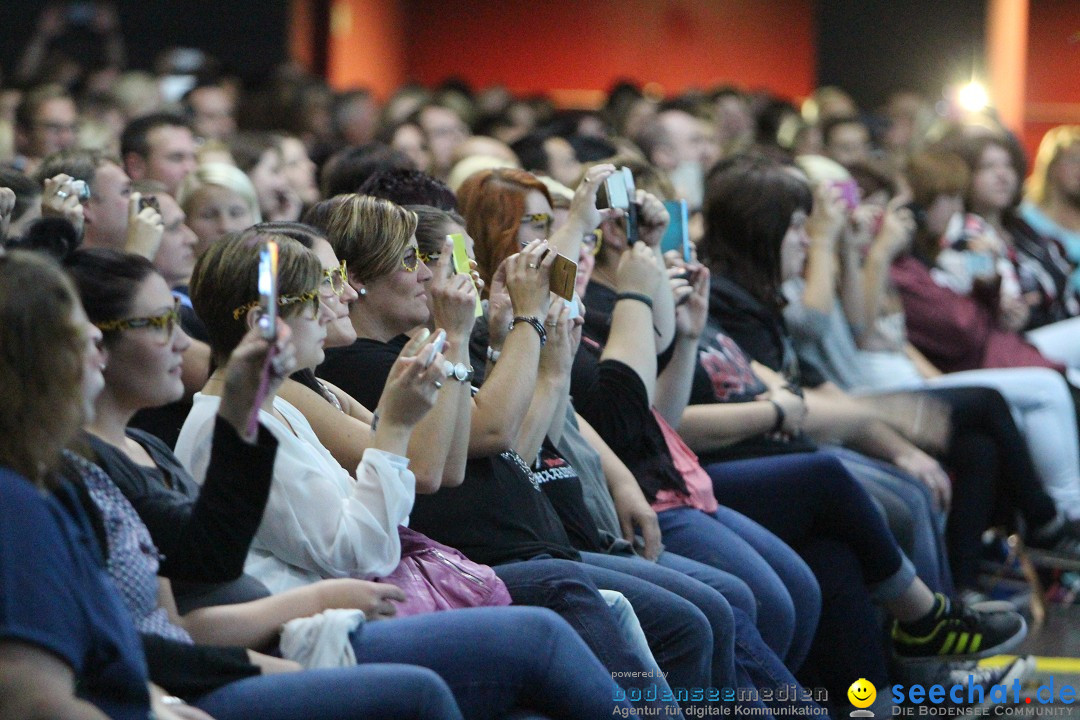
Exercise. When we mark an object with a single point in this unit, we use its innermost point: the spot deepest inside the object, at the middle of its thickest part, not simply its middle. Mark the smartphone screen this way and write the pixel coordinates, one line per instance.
(612, 193)
(268, 290)
(677, 235)
(461, 265)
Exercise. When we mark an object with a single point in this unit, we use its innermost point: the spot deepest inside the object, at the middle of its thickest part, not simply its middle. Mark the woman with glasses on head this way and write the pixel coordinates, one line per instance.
(69, 646)
(322, 523)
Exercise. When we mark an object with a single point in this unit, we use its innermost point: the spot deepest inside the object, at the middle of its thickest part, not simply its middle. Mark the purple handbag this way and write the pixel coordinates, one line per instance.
(436, 577)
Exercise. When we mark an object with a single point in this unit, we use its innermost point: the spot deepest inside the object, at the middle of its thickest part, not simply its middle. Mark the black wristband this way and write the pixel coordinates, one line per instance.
(780, 417)
(536, 324)
(640, 297)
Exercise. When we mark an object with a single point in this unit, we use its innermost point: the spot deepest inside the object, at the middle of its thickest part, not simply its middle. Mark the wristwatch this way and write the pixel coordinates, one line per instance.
(458, 371)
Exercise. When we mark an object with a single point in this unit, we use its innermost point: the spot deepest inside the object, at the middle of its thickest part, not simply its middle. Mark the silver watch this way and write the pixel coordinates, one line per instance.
(458, 371)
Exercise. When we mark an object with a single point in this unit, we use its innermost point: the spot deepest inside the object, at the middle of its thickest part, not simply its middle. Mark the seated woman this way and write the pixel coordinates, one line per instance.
(69, 648)
(685, 498)
(827, 306)
(217, 199)
(470, 515)
(1043, 304)
(117, 287)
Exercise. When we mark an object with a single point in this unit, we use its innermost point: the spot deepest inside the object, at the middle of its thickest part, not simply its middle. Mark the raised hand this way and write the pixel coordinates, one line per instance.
(453, 295)
(145, 229)
(60, 199)
(528, 279)
(413, 383)
(653, 218)
(639, 271)
(243, 375)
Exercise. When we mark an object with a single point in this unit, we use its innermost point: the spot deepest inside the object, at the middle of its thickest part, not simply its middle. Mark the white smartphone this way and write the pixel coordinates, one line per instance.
(437, 346)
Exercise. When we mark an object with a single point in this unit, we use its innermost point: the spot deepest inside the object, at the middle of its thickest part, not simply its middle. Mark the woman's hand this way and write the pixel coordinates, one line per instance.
(61, 199)
(412, 386)
(897, 230)
(144, 230)
(691, 300)
(557, 355)
(639, 271)
(453, 295)
(793, 405)
(828, 217)
(653, 218)
(583, 205)
(376, 600)
(243, 375)
(500, 310)
(930, 473)
(270, 665)
(528, 279)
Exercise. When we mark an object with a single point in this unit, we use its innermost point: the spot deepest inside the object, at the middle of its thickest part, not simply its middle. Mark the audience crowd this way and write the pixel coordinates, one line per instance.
(514, 448)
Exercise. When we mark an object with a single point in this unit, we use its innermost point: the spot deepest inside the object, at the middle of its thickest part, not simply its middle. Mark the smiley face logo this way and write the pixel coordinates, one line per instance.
(862, 693)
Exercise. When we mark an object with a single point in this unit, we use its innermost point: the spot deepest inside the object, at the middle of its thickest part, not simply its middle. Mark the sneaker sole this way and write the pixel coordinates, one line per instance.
(999, 649)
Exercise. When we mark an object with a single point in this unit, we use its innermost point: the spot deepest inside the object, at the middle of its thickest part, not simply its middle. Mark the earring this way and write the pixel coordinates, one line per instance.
(363, 291)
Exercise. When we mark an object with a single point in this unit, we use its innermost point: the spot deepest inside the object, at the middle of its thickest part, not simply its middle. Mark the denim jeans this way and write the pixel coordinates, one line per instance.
(363, 692)
(568, 588)
(741, 659)
(497, 659)
(787, 597)
(909, 512)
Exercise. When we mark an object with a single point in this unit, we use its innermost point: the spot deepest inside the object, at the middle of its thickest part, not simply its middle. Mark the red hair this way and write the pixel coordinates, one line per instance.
(493, 203)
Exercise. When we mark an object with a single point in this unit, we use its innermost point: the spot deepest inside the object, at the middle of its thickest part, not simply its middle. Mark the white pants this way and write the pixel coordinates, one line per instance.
(1059, 341)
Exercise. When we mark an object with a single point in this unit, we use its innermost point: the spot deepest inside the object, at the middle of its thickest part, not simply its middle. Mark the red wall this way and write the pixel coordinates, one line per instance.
(1053, 68)
(586, 45)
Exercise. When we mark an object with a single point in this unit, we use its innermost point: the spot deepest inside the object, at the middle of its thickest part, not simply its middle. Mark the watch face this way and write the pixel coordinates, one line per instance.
(461, 372)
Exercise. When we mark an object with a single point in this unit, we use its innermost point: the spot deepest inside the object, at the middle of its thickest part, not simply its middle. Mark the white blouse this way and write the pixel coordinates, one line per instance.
(320, 522)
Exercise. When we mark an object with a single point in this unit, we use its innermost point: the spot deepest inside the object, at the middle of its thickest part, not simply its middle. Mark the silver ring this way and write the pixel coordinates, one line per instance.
(533, 265)
(438, 385)
(62, 194)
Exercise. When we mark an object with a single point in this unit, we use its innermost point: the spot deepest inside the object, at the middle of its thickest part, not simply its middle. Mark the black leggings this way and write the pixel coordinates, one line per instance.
(995, 476)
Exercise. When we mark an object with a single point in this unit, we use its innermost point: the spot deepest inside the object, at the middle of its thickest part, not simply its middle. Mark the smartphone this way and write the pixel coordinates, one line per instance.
(461, 265)
(563, 277)
(849, 192)
(612, 192)
(632, 207)
(81, 189)
(437, 346)
(149, 201)
(268, 290)
(979, 264)
(677, 235)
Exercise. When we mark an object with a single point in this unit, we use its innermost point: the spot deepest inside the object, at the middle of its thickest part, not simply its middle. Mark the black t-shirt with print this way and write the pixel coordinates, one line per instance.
(498, 514)
(562, 486)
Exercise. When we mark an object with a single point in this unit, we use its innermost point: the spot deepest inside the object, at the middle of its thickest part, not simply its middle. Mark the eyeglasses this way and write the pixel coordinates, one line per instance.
(541, 222)
(414, 257)
(165, 323)
(311, 296)
(335, 279)
(592, 241)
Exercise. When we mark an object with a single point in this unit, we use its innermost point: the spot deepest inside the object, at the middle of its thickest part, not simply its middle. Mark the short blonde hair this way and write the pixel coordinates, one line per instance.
(229, 177)
(370, 234)
(1054, 142)
(226, 277)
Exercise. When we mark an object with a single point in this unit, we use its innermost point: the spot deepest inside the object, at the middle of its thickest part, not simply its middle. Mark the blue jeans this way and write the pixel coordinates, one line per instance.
(568, 588)
(787, 596)
(367, 692)
(740, 657)
(497, 659)
(909, 511)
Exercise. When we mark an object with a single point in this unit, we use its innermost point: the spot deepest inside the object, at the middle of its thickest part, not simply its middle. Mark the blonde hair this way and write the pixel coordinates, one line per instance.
(819, 169)
(226, 277)
(229, 177)
(1054, 142)
(370, 234)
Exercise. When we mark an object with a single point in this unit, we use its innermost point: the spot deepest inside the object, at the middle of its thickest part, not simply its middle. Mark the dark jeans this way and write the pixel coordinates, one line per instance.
(741, 659)
(994, 475)
(570, 589)
(498, 659)
(786, 594)
(367, 692)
